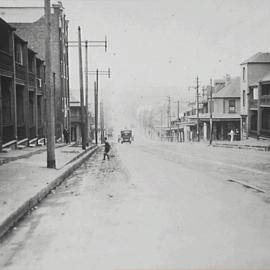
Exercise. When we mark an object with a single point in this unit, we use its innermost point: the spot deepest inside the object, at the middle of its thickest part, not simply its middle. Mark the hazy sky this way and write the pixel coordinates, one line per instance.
(158, 47)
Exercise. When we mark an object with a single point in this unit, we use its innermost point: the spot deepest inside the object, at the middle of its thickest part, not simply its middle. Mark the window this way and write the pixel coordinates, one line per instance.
(244, 98)
(244, 73)
(4, 41)
(266, 90)
(31, 62)
(19, 53)
(232, 106)
(20, 108)
(211, 106)
(6, 102)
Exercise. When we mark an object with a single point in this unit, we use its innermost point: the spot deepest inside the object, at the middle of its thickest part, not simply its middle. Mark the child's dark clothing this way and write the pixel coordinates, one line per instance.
(106, 150)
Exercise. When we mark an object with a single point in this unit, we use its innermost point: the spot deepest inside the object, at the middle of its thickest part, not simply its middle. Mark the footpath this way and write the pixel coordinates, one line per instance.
(25, 180)
(251, 143)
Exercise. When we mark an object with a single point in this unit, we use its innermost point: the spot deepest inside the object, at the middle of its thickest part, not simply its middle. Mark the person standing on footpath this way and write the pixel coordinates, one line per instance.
(66, 135)
(107, 148)
(231, 133)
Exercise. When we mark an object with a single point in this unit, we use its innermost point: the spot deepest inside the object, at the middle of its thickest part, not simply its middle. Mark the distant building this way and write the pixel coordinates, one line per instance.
(30, 26)
(255, 96)
(22, 91)
(75, 135)
(259, 107)
(225, 112)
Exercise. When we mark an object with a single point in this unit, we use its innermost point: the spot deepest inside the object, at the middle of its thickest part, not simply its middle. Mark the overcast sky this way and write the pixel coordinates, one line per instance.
(158, 47)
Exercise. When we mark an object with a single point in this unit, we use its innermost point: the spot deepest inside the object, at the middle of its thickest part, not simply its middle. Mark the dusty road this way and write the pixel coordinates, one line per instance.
(150, 207)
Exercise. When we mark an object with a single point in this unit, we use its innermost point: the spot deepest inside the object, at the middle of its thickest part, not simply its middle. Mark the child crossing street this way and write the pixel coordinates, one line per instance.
(106, 149)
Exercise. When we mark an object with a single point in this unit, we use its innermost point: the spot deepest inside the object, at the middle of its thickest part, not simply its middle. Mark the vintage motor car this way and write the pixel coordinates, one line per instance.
(126, 136)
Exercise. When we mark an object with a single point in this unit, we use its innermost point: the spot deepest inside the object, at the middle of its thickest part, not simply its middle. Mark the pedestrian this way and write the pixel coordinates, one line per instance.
(66, 135)
(107, 148)
(231, 133)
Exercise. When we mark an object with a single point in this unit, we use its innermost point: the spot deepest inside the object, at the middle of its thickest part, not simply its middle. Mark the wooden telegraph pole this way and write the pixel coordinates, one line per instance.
(86, 94)
(84, 110)
(49, 91)
(97, 73)
(96, 111)
(197, 105)
(81, 90)
(211, 113)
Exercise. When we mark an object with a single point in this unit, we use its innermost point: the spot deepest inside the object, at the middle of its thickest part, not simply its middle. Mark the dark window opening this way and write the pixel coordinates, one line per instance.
(232, 108)
(20, 106)
(266, 118)
(4, 40)
(266, 90)
(30, 62)
(19, 53)
(31, 109)
(253, 120)
(6, 101)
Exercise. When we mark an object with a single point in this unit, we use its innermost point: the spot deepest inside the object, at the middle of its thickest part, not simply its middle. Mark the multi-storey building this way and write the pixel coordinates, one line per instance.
(75, 119)
(255, 101)
(30, 26)
(21, 90)
(259, 108)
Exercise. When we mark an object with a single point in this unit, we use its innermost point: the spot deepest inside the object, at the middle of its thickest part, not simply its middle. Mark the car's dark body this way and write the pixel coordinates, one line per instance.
(126, 136)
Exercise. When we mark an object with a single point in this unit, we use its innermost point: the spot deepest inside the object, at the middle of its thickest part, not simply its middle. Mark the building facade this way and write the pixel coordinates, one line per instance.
(34, 33)
(225, 112)
(259, 108)
(75, 119)
(22, 91)
(254, 70)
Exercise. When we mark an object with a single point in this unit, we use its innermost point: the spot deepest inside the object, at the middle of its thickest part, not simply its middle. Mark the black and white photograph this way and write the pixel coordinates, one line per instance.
(134, 134)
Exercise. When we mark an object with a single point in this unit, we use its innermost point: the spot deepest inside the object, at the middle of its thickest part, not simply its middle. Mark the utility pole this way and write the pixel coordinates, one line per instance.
(102, 122)
(178, 109)
(197, 105)
(49, 91)
(178, 119)
(97, 73)
(81, 90)
(169, 113)
(92, 43)
(211, 116)
(96, 111)
(86, 94)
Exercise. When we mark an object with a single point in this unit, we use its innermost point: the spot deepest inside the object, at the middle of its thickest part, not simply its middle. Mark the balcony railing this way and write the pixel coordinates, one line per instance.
(265, 100)
(20, 72)
(31, 79)
(253, 104)
(5, 61)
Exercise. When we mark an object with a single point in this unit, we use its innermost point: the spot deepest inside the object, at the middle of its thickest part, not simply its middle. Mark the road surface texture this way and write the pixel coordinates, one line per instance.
(152, 206)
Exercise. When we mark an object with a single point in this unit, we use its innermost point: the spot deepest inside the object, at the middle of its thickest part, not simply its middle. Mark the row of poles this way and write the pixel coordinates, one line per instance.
(210, 111)
(50, 112)
(197, 111)
(97, 73)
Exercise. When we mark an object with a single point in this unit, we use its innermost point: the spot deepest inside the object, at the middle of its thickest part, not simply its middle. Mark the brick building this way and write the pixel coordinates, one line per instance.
(31, 29)
(22, 94)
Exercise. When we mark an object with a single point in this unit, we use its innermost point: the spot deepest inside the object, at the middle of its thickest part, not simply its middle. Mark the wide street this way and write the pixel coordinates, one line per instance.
(152, 206)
